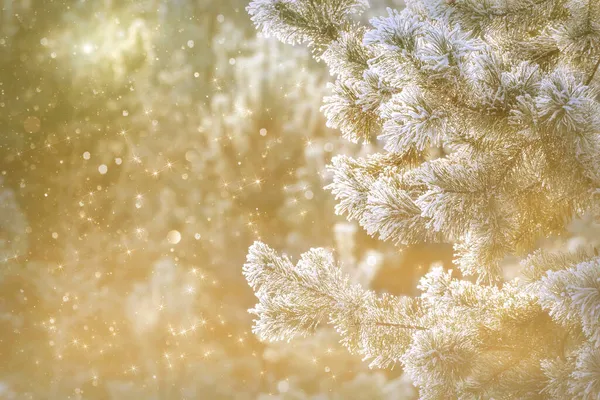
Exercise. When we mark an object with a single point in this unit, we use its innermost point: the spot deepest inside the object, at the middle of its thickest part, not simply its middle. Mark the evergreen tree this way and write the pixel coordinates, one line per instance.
(508, 91)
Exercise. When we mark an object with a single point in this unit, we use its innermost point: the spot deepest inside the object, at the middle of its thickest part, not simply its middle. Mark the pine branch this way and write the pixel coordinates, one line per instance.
(593, 73)
(504, 89)
(401, 326)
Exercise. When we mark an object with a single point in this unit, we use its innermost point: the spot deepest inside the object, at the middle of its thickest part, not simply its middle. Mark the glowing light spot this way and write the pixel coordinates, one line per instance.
(174, 237)
(88, 48)
(283, 386)
(103, 169)
(372, 260)
(32, 124)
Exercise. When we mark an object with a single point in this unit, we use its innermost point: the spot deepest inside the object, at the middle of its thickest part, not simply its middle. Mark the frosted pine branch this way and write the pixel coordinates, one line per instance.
(572, 297)
(318, 22)
(294, 300)
(488, 115)
(457, 338)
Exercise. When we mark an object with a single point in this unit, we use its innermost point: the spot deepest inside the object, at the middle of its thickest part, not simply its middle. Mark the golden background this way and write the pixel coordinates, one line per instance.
(144, 146)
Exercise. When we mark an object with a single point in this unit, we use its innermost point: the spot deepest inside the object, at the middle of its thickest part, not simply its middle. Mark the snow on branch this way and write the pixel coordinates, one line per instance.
(318, 22)
(487, 113)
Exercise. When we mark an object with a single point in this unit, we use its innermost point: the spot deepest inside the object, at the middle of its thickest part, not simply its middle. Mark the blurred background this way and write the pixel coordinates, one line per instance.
(144, 145)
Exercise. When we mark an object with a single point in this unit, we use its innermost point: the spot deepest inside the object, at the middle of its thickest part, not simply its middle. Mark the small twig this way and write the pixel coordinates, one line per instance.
(403, 326)
(589, 79)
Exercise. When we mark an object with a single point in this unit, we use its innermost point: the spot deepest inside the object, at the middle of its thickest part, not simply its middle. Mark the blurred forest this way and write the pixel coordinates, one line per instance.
(145, 145)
